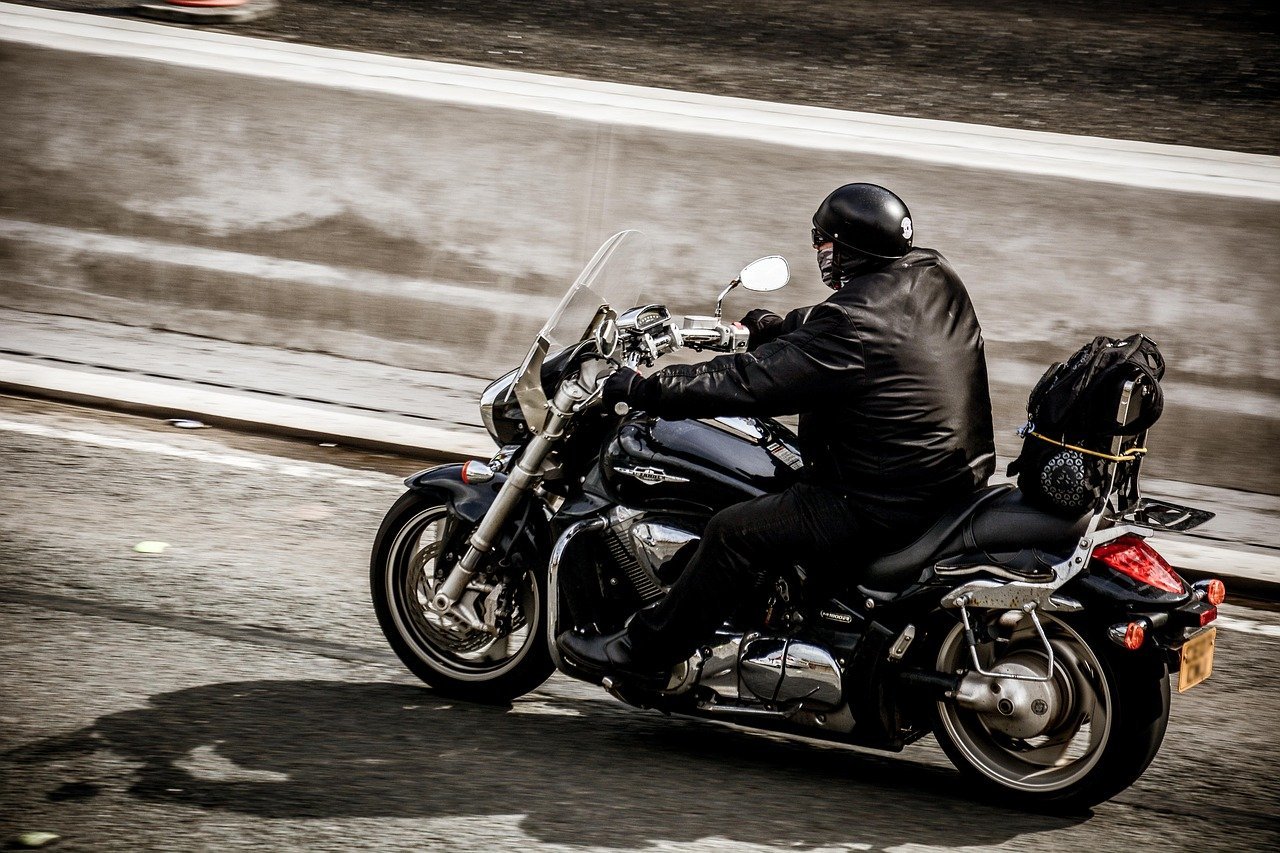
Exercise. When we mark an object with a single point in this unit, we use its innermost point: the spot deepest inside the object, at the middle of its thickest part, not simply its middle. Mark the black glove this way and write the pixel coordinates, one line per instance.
(620, 386)
(764, 326)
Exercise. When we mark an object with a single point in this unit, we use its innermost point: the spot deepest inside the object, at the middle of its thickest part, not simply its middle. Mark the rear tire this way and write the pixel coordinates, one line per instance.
(1121, 699)
(453, 659)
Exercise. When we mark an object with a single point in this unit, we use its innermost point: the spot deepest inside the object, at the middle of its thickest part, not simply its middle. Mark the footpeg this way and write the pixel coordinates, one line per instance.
(900, 646)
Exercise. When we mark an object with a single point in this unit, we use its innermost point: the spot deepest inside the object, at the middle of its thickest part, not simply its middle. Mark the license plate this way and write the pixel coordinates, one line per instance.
(1197, 660)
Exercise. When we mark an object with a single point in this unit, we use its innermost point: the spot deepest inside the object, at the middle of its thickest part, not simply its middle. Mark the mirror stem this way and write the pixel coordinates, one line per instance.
(723, 294)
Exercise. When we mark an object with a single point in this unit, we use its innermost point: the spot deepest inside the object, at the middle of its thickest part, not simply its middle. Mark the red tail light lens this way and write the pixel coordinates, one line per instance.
(1131, 556)
(1216, 592)
(1208, 615)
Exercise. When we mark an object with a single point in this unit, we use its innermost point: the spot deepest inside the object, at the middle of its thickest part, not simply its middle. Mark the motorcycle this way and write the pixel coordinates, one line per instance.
(1038, 650)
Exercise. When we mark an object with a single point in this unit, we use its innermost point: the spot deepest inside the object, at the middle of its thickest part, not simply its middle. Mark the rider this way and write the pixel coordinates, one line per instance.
(889, 376)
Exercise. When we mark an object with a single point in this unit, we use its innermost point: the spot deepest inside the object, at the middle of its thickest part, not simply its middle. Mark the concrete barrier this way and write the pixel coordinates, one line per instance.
(426, 215)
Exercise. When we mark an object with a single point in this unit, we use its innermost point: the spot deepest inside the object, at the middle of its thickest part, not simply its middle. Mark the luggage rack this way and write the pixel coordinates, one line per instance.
(1124, 503)
(1162, 515)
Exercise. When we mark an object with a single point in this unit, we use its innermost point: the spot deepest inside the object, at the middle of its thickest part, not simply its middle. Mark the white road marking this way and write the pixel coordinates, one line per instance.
(1216, 559)
(1248, 626)
(207, 764)
(539, 707)
(245, 462)
(342, 477)
(1171, 167)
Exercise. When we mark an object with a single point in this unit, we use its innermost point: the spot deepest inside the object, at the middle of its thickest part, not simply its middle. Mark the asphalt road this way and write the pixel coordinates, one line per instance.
(1174, 71)
(234, 693)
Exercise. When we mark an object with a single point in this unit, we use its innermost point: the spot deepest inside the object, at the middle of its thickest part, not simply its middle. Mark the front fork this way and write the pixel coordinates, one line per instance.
(523, 477)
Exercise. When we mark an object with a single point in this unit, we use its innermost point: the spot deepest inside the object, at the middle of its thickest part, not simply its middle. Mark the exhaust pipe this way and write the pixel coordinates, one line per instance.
(930, 684)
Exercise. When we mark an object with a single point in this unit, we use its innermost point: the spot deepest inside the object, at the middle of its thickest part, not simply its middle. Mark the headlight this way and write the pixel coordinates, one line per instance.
(498, 394)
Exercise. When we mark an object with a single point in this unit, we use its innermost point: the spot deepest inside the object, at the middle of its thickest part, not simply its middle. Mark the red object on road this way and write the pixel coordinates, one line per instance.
(206, 11)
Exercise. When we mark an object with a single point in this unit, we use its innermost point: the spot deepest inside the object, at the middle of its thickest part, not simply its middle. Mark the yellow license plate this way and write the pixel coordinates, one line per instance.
(1197, 660)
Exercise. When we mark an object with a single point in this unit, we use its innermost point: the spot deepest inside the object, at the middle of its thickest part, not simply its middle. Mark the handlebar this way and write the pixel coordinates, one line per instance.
(716, 336)
(725, 337)
(644, 347)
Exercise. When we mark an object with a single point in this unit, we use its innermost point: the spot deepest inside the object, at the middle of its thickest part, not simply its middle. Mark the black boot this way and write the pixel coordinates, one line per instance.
(610, 654)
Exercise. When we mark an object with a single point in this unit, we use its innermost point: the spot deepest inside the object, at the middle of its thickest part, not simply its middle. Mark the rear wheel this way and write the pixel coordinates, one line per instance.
(413, 552)
(1063, 744)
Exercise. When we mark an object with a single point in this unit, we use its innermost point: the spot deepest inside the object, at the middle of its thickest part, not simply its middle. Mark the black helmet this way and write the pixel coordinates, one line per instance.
(866, 219)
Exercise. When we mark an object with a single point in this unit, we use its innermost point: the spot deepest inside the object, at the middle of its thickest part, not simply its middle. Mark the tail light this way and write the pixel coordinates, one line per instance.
(1132, 556)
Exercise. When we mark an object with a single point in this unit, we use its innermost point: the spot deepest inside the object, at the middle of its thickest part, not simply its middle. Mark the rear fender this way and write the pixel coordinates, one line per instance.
(1115, 599)
(1106, 589)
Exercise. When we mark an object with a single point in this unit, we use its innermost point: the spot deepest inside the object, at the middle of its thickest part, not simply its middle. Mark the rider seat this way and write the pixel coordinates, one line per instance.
(994, 519)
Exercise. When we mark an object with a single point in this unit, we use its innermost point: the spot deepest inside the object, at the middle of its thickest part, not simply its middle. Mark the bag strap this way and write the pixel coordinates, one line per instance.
(1129, 455)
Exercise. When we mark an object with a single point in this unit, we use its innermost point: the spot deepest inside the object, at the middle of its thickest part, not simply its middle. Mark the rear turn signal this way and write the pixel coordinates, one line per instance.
(1215, 591)
(1131, 556)
(1129, 635)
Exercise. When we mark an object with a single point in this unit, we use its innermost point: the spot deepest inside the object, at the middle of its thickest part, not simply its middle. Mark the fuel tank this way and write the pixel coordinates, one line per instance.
(697, 466)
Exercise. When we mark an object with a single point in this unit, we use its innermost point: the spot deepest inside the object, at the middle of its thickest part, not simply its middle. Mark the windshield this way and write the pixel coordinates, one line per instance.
(612, 279)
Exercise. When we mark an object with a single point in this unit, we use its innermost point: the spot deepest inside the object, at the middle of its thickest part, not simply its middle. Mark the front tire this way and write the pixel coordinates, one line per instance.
(1110, 719)
(410, 558)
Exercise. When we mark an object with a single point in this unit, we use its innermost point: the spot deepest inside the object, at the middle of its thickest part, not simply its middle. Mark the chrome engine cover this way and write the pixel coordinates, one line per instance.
(656, 542)
(642, 543)
(777, 671)
(783, 671)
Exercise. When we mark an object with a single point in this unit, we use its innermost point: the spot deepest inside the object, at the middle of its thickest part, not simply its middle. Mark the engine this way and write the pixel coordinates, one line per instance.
(650, 550)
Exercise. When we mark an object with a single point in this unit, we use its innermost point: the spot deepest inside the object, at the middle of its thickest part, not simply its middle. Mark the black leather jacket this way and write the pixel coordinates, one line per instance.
(888, 375)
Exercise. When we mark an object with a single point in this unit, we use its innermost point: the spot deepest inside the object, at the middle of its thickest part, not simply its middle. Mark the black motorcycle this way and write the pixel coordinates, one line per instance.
(1037, 649)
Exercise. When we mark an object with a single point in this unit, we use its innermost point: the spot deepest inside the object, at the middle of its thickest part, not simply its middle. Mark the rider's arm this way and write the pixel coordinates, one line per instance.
(794, 373)
(767, 326)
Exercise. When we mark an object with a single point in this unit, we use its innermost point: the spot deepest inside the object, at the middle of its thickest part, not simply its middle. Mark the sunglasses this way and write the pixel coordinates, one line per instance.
(819, 238)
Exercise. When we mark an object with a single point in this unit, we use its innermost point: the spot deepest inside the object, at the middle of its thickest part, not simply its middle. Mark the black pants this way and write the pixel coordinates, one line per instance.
(748, 544)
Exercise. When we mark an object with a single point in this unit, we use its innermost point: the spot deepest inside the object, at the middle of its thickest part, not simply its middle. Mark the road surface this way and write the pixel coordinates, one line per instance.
(233, 693)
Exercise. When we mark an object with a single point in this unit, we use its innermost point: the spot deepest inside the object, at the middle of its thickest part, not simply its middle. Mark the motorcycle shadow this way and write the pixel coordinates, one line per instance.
(581, 772)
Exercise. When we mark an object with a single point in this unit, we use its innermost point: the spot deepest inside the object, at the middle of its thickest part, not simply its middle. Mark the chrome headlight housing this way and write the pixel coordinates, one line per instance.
(499, 410)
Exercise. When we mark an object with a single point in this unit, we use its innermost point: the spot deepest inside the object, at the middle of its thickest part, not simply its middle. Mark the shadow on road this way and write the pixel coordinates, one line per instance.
(582, 773)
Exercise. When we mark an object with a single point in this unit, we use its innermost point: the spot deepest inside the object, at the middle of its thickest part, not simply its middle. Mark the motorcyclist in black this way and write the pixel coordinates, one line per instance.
(889, 377)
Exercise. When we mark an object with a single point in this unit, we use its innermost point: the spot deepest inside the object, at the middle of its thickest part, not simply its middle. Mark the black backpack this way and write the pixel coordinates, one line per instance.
(1071, 416)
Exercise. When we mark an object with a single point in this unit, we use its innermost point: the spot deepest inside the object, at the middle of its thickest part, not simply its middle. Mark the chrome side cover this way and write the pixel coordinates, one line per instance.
(782, 671)
(656, 543)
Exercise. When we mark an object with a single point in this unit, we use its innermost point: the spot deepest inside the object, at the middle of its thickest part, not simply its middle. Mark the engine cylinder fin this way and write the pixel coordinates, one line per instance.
(644, 585)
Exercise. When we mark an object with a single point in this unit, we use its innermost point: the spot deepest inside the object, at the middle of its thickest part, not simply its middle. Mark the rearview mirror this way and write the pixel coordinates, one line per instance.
(765, 274)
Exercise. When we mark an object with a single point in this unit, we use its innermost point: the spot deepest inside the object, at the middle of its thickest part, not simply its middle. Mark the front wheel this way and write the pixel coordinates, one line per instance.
(1064, 744)
(416, 546)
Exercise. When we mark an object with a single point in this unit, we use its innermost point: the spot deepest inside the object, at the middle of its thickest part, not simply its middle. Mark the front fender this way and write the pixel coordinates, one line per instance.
(468, 502)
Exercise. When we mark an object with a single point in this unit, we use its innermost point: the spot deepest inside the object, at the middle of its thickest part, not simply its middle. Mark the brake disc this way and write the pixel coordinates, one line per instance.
(445, 631)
